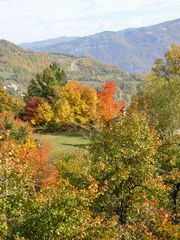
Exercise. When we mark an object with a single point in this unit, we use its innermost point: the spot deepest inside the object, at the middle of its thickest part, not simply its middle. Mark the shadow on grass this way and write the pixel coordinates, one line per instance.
(83, 145)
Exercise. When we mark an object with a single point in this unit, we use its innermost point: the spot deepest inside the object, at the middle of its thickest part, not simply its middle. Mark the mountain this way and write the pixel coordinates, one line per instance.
(37, 46)
(19, 66)
(132, 50)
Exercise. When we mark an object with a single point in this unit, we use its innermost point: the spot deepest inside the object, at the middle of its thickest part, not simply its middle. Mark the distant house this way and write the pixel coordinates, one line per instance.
(10, 86)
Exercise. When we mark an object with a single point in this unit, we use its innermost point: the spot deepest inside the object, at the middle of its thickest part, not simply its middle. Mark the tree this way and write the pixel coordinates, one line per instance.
(75, 103)
(36, 203)
(7, 102)
(44, 83)
(13, 129)
(167, 157)
(161, 92)
(163, 102)
(169, 67)
(44, 114)
(59, 74)
(107, 108)
(31, 108)
(123, 160)
(38, 111)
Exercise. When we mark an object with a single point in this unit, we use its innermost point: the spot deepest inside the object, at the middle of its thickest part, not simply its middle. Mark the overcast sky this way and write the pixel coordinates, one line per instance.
(33, 20)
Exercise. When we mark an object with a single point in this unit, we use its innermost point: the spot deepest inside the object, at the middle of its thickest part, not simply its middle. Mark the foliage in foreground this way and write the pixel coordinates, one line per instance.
(126, 189)
(129, 159)
(37, 201)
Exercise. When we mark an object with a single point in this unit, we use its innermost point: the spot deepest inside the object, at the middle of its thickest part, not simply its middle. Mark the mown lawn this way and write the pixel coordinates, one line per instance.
(64, 142)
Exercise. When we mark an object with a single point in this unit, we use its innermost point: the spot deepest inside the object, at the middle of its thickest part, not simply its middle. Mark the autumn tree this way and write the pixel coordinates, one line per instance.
(39, 202)
(169, 67)
(75, 103)
(107, 108)
(7, 102)
(13, 129)
(31, 107)
(44, 114)
(24, 168)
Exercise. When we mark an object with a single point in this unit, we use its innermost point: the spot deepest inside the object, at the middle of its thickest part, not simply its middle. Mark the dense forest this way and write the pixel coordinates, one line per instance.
(122, 184)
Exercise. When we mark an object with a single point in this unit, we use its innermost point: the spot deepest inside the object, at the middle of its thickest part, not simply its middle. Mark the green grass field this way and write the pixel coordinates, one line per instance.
(63, 142)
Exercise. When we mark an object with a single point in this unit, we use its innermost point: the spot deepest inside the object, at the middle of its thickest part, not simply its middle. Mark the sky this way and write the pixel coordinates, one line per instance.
(35, 20)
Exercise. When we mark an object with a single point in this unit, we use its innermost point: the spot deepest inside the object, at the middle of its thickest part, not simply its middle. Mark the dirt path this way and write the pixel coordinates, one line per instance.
(73, 66)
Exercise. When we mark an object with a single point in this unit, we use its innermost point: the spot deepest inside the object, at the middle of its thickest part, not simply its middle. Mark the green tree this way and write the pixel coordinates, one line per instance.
(164, 104)
(59, 74)
(44, 83)
(124, 164)
(168, 158)
(160, 93)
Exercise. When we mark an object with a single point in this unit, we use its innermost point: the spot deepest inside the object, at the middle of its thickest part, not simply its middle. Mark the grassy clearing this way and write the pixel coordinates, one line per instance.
(63, 142)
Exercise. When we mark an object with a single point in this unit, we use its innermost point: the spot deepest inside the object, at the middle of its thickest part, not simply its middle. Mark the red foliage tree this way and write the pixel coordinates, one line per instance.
(107, 107)
(31, 108)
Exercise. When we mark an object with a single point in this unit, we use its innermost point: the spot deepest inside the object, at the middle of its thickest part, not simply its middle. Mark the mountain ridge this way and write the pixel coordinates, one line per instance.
(132, 49)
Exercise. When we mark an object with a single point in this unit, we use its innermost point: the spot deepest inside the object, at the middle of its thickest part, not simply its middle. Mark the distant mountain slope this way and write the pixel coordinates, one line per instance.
(133, 50)
(46, 43)
(18, 66)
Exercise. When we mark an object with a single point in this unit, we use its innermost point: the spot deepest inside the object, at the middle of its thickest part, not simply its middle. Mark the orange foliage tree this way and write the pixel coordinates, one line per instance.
(36, 158)
(107, 108)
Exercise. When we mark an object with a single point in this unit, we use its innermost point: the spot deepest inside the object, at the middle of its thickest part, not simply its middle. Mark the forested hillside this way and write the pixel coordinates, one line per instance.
(19, 66)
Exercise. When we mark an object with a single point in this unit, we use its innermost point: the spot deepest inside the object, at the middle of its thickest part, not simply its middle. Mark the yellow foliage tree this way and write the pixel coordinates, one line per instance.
(169, 66)
(44, 114)
(75, 103)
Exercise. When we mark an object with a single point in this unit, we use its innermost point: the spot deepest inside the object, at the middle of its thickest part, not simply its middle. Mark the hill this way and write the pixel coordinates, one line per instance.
(132, 50)
(18, 66)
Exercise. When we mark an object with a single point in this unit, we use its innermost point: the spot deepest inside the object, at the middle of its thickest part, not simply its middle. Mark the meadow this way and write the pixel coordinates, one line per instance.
(63, 142)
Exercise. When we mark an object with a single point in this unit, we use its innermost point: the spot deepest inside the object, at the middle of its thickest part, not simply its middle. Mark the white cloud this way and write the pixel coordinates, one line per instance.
(30, 20)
